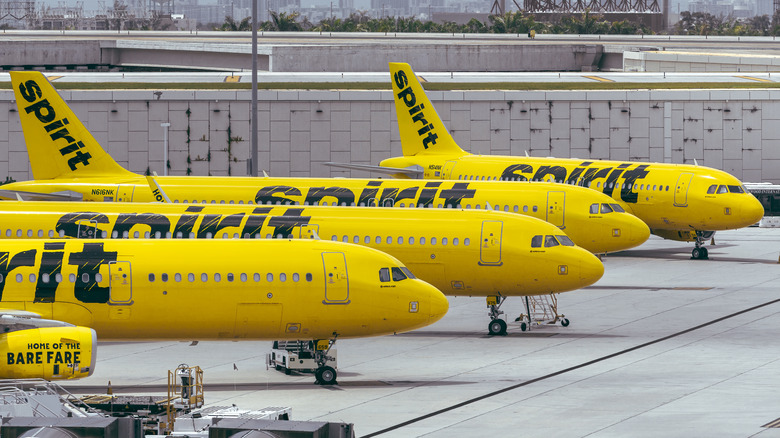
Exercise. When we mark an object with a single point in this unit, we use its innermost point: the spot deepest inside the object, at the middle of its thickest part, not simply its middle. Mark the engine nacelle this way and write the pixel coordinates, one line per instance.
(51, 353)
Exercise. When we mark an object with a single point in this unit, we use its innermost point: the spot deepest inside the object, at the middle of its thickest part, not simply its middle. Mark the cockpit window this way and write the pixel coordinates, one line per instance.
(594, 209)
(536, 241)
(617, 208)
(408, 272)
(549, 241)
(711, 190)
(736, 189)
(384, 275)
(565, 241)
(722, 189)
(398, 274)
(605, 208)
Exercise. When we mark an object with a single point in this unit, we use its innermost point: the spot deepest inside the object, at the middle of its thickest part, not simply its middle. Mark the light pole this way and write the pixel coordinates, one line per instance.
(165, 127)
(253, 160)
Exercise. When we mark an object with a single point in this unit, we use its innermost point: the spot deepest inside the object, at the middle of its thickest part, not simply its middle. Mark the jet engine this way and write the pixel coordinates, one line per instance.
(51, 353)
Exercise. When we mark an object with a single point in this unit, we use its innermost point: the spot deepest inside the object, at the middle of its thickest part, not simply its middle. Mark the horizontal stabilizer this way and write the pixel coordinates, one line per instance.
(65, 195)
(412, 171)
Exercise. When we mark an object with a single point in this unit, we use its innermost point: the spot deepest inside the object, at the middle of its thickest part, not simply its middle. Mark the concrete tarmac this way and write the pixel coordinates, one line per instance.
(662, 345)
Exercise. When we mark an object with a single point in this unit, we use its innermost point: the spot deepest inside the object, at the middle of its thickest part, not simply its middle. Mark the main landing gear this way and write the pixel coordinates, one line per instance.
(497, 326)
(699, 251)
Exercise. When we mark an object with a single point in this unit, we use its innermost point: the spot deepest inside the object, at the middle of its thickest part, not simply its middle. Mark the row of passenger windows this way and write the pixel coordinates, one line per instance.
(550, 241)
(398, 274)
(654, 187)
(217, 277)
(605, 208)
(57, 278)
(720, 189)
(400, 240)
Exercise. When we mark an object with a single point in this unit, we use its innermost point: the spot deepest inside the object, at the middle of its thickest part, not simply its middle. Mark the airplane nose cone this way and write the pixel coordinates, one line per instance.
(752, 211)
(591, 270)
(438, 305)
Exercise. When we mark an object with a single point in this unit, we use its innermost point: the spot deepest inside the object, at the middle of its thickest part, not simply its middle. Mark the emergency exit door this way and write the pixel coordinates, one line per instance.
(120, 282)
(446, 172)
(490, 243)
(681, 191)
(336, 278)
(556, 208)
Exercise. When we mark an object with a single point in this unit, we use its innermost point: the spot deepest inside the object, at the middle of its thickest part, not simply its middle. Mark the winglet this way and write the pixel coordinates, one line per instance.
(422, 130)
(59, 145)
(157, 191)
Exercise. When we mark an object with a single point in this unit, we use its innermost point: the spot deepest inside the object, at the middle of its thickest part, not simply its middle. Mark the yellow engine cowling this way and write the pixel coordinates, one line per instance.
(51, 353)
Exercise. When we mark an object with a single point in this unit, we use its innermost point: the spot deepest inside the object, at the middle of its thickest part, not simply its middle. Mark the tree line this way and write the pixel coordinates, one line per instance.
(696, 23)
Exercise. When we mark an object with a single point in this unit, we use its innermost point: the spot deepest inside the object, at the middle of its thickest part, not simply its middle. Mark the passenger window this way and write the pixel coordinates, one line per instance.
(62, 233)
(164, 277)
(51, 233)
(384, 275)
(85, 277)
(32, 277)
(296, 277)
(466, 241)
(177, 277)
(378, 240)
(564, 239)
(45, 278)
(711, 189)
(367, 240)
(433, 241)
(345, 238)
(594, 209)
(722, 189)
(243, 277)
(400, 240)
(282, 277)
(191, 277)
(389, 240)
(356, 239)
(269, 277)
(455, 241)
(525, 209)
(411, 240)
(217, 277)
(18, 233)
(536, 242)
(19, 278)
(29, 233)
(72, 278)
(230, 276)
(515, 209)
(422, 240)
(204, 277)
(256, 277)
(57, 278)
(667, 188)
(308, 277)
(549, 241)
(151, 277)
(398, 274)
(536, 209)
(617, 208)
(334, 237)
(443, 240)
(605, 208)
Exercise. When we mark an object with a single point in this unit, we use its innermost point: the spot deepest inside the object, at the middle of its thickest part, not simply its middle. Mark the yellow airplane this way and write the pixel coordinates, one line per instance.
(460, 252)
(68, 163)
(56, 296)
(679, 202)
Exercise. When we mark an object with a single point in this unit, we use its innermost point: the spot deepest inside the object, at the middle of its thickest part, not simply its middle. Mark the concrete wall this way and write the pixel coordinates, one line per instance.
(734, 130)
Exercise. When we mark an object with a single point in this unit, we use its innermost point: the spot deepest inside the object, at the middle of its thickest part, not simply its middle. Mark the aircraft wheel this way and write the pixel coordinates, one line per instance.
(704, 253)
(325, 375)
(696, 253)
(565, 322)
(497, 327)
(523, 326)
(287, 371)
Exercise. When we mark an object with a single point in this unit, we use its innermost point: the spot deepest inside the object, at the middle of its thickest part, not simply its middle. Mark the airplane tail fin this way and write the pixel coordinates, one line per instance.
(59, 145)
(422, 131)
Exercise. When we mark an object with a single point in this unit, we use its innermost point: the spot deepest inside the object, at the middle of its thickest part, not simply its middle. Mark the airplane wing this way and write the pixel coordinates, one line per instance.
(65, 195)
(413, 171)
(13, 320)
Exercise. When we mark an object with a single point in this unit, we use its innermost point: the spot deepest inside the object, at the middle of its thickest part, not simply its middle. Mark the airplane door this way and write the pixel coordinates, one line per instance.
(88, 230)
(681, 191)
(124, 193)
(336, 278)
(120, 283)
(556, 208)
(309, 231)
(446, 171)
(490, 243)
